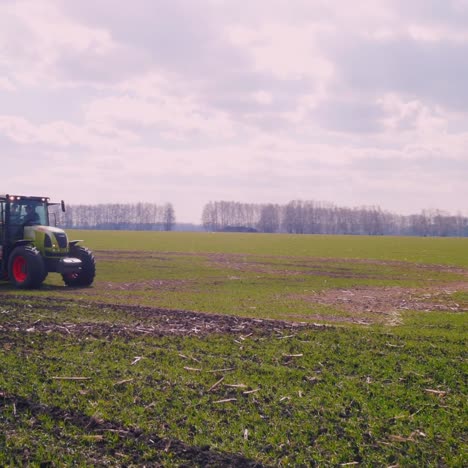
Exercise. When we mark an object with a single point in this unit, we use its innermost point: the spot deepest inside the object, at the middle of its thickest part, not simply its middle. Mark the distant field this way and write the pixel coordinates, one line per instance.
(172, 356)
(447, 251)
(300, 278)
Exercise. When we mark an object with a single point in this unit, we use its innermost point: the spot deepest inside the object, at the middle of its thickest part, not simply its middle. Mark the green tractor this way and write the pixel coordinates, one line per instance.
(30, 248)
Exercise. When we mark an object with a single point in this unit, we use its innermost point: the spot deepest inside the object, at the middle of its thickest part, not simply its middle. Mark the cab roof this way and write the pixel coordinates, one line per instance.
(17, 198)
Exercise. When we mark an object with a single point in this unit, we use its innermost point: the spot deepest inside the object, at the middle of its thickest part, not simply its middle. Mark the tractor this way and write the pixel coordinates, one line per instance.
(30, 248)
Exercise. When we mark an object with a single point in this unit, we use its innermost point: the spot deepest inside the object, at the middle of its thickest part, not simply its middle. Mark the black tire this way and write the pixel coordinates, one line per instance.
(85, 276)
(26, 268)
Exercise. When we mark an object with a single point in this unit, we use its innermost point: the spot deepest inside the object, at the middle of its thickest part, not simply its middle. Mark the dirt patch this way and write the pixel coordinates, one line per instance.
(362, 304)
(149, 285)
(113, 255)
(389, 301)
(153, 322)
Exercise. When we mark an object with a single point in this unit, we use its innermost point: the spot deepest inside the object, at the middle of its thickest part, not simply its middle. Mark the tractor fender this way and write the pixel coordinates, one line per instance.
(74, 242)
(21, 242)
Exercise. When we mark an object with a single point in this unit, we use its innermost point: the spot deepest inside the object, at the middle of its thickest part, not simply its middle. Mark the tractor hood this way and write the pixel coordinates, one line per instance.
(47, 239)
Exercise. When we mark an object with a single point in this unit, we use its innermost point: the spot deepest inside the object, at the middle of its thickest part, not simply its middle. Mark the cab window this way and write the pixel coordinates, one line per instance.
(29, 213)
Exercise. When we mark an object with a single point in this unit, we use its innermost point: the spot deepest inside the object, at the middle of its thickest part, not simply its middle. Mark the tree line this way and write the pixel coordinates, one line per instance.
(312, 217)
(295, 217)
(118, 216)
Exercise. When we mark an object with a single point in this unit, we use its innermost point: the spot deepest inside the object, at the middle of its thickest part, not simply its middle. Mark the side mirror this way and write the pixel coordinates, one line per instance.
(62, 203)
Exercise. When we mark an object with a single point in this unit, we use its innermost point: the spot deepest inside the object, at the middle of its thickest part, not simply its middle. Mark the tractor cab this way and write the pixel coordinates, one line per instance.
(20, 217)
(26, 212)
(30, 248)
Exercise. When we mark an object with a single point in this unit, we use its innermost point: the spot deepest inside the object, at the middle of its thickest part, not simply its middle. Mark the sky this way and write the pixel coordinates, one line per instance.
(262, 101)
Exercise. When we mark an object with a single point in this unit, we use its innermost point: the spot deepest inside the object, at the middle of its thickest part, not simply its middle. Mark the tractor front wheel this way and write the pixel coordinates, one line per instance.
(26, 268)
(85, 276)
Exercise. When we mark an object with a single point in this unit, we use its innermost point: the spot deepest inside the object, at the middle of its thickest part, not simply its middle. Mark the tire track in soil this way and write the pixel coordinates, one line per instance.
(156, 322)
(201, 456)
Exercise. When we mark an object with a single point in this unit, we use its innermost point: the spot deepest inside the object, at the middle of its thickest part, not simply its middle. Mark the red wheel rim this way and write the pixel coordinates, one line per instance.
(20, 271)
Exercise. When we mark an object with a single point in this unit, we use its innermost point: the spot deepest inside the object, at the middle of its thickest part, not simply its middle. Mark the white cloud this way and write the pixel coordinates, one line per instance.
(283, 50)
(436, 33)
(6, 85)
(170, 115)
(62, 134)
(361, 103)
(412, 115)
(263, 97)
(35, 36)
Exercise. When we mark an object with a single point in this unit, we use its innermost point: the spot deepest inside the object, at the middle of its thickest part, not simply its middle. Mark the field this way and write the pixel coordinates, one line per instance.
(202, 349)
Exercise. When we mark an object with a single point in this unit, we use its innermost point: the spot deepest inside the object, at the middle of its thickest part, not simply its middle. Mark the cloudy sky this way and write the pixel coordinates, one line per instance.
(187, 101)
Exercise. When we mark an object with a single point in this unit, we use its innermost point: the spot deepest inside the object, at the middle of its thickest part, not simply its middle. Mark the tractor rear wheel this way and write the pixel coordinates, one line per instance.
(26, 268)
(85, 276)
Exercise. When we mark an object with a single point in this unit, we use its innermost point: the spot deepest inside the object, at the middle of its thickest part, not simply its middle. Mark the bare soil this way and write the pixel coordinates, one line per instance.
(146, 321)
(364, 304)
(390, 301)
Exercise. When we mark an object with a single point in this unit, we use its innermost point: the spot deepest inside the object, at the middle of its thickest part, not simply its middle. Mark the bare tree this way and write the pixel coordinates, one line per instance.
(312, 217)
(169, 217)
(269, 218)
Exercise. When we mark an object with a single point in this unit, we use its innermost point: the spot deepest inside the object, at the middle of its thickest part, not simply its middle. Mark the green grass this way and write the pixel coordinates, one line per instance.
(246, 284)
(447, 251)
(376, 395)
